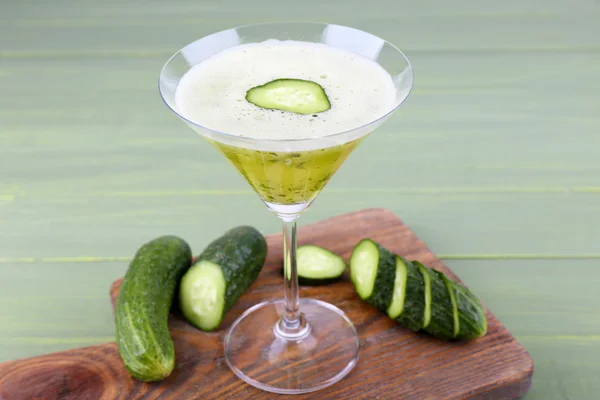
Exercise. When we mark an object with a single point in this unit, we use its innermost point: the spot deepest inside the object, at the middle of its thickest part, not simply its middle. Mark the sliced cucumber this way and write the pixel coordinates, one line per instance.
(414, 302)
(294, 95)
(318, 266)
(397, 305)
(427, 291)
(373, 273)
(415, 296)
(221, 274)
(442, 309)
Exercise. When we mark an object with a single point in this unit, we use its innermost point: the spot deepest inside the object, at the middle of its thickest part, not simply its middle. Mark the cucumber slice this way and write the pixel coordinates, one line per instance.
(414, 301)
(397, 305)
(363, 267)
(373, 273)
(318, 266)
(293, 95)
(427, 291)
(204, 289)
(442, 309)
(205, 294)
(450, 288)
(471, 314)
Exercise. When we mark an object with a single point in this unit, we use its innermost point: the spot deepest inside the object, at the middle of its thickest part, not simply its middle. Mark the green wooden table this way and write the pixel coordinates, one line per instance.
(493, 161)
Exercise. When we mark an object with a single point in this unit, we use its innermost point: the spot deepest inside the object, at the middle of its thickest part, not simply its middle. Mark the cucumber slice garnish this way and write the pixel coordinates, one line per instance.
(293, 95)
(203, 295)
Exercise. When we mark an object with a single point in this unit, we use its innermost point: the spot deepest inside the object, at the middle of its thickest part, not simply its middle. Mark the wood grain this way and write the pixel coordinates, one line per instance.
(394, 362)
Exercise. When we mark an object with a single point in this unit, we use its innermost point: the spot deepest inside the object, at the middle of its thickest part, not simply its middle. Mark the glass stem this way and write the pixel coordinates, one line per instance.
(292, 323)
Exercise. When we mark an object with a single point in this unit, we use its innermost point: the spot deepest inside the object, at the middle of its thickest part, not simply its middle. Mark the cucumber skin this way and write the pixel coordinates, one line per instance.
(143, 304)
(450, 288)
(471, 314)
(427, 292)
(442, 309)
(241, 253)
(383, 287)
(414, 300)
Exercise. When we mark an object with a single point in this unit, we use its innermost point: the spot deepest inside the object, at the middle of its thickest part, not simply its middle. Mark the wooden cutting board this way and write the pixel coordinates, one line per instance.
(395, 363)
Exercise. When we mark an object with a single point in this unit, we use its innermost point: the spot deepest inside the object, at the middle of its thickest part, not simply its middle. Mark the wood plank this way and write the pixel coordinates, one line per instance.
(545, 299)
(451, 223)
(566, 368)
(41, 313)
(430, 25)
(415, 366)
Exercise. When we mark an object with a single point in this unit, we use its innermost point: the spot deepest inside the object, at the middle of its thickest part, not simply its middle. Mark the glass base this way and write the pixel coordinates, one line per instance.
(288, 212)
(324, 352)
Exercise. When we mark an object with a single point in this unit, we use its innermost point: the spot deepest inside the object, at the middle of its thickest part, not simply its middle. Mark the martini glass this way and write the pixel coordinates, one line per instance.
(289, 345)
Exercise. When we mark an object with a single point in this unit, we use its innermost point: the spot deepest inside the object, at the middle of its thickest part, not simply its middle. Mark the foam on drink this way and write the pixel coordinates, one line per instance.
(212, 93)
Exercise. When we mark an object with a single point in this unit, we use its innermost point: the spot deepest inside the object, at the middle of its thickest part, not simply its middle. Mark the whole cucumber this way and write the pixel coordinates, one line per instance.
(143, 304)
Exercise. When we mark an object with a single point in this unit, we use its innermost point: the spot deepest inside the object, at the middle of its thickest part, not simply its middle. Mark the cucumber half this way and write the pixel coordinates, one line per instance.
(293, 95)
(203, 287)
(318, 266)
(227, 267)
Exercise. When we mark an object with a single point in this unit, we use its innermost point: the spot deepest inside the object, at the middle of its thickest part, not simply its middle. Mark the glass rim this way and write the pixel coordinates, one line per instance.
(248, 139)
